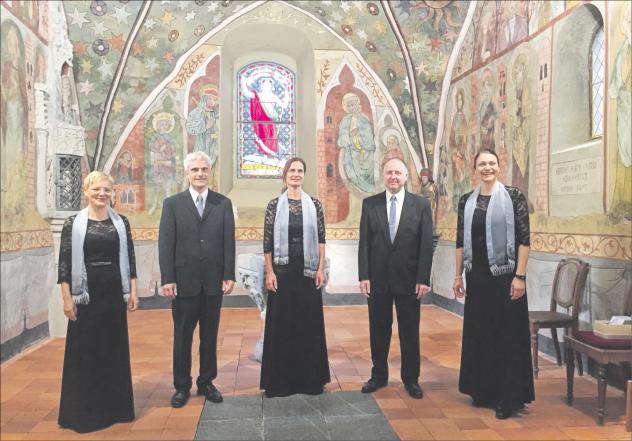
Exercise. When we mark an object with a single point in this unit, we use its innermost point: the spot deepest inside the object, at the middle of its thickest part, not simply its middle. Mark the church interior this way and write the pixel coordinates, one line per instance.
(131, 87)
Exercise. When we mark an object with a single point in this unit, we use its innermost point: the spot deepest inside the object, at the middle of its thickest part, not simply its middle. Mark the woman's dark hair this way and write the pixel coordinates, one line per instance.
(488, 151)
(287, 166)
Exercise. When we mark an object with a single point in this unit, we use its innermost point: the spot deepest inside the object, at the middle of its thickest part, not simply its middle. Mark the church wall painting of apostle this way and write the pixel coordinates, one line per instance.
(357, 130)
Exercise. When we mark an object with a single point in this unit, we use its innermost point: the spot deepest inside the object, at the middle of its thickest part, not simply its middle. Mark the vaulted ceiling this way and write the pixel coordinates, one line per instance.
(124, 49)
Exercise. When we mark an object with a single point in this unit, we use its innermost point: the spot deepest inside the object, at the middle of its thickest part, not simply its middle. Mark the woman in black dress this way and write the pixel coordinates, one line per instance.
(97, 275)
(294, 348)
(493, 246)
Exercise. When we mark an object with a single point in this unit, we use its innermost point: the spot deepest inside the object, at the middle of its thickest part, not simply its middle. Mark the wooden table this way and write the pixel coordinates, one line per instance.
(602, 357)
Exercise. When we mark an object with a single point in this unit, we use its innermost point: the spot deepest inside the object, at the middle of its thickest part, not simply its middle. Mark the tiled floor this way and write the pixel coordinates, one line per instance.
(31, 382)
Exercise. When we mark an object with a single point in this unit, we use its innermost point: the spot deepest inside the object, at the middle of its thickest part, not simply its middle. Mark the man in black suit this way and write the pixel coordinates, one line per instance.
(197, 266)
(394, 262)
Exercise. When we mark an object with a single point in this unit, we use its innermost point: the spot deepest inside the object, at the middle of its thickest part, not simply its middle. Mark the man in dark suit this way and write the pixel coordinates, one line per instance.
(196, 249)
(394, 262)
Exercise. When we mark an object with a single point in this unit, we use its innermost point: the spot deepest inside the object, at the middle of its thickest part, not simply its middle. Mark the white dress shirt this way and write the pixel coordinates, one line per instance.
(195, 194)
(400, 203)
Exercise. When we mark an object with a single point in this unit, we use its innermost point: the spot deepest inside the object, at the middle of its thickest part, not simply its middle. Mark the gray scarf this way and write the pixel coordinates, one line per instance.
(499, 231)
(79, 288)
(311, 255)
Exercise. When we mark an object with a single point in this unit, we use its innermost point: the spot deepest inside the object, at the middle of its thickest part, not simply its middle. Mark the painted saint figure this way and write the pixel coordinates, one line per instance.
(13, 116)
(620, 88)
(487, 113)
(458, 146)
(265, 109)
(519, 118)
(162, 156)
(355, 138)
(203, 122)
(429, 190)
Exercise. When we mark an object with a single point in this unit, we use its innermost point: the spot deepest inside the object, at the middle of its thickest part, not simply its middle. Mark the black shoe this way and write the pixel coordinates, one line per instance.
(211, 393)
(502, 413)
(372, 385)
(414, 390)
(180, 398)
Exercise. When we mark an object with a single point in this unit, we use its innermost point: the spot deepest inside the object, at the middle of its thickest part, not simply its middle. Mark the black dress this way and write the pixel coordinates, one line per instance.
(294, 348)
(96, 388)
(496, 365)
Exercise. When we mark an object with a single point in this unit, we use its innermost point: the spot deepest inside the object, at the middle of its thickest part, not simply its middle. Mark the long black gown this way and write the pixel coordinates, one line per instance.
(96, 388)
(294, 349)
(496, 365)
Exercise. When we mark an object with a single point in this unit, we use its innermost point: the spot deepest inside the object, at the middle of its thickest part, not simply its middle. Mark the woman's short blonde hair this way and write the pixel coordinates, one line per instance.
(95, 176)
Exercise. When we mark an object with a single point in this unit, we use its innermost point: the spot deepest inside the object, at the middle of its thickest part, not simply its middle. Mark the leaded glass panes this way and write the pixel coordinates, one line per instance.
(68, 183)
(266, 119)
(597, 83)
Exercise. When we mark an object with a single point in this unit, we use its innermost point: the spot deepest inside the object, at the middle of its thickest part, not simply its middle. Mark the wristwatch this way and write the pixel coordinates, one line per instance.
(521, 277)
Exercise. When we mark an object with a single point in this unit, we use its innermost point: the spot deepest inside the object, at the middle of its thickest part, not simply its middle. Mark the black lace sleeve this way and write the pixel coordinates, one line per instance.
(459, 222)
(268, 226)
(64, 269)
(320, 216)
(521, 216)
(130, 249)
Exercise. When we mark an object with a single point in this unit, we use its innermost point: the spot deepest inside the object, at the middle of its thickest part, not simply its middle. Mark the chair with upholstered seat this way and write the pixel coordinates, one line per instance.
(569, 283)
(603, 351)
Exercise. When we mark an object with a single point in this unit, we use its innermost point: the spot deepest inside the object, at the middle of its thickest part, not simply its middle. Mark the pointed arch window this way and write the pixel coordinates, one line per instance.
(266, 119)
(597, 62)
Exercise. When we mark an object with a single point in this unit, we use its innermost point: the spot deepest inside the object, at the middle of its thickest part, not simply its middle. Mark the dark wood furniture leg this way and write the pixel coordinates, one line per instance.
(601, 393)
(570, 372)
(557, 346)
(534, 348)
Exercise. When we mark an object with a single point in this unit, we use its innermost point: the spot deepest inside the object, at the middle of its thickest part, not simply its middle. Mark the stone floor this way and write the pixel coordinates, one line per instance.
(30, 384)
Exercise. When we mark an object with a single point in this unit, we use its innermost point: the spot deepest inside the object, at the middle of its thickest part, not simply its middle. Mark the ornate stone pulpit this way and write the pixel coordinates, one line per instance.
(251, 274)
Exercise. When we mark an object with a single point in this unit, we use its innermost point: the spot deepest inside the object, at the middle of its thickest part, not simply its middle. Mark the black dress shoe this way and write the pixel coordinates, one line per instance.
(414, 390)
(180, 398)
(211, 393)
(372, 385)
(502, 413)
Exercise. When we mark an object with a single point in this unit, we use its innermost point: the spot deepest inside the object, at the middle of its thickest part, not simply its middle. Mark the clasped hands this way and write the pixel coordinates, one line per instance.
(420, 289)
(170, 289)
(517, 290)
(271, 280)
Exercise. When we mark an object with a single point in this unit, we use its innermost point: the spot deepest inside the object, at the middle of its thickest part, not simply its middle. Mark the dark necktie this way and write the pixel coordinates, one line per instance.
(392, 218)
(199, 203)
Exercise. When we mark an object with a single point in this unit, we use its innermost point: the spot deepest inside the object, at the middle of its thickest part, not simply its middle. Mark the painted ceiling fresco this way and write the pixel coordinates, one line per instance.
(99, 31)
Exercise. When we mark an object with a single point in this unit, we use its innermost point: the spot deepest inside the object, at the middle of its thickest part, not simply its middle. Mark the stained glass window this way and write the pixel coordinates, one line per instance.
(266, 119)
(597, 57)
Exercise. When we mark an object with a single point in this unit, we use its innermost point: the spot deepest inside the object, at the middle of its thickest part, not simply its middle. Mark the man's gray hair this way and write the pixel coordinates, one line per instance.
(196, 156)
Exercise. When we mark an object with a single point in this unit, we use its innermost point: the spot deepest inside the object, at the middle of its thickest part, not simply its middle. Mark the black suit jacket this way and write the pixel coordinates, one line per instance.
(197, 253)
(395, 267)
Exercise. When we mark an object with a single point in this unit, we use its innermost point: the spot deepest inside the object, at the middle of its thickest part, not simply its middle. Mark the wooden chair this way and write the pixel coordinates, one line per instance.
(603, 351)
(568, 285)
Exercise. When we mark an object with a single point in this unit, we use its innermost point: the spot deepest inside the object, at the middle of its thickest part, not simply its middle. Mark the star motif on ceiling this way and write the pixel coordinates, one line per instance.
(86, 87)
(152, 42)
(137, 49)
(78, 18)
(117, 106)
(430, 86)
(140, 87)
(380, 28)
(407, 110)
(93, 110)
(190, 16)
(345, 6)
(150, 23)
(167, 17)
(362, 34)
(212, 7)
(359, 5)
(151, 63)
(106, 69)
(183, 5)
(435, 43)
(86, 66)
(121, 14)
(421, 68)
(99, 28)
(80, 47)
(168, 56)
(116, 41)
(404, 6)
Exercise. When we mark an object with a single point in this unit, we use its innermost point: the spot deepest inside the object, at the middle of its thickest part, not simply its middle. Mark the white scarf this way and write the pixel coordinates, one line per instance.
(79, 287)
